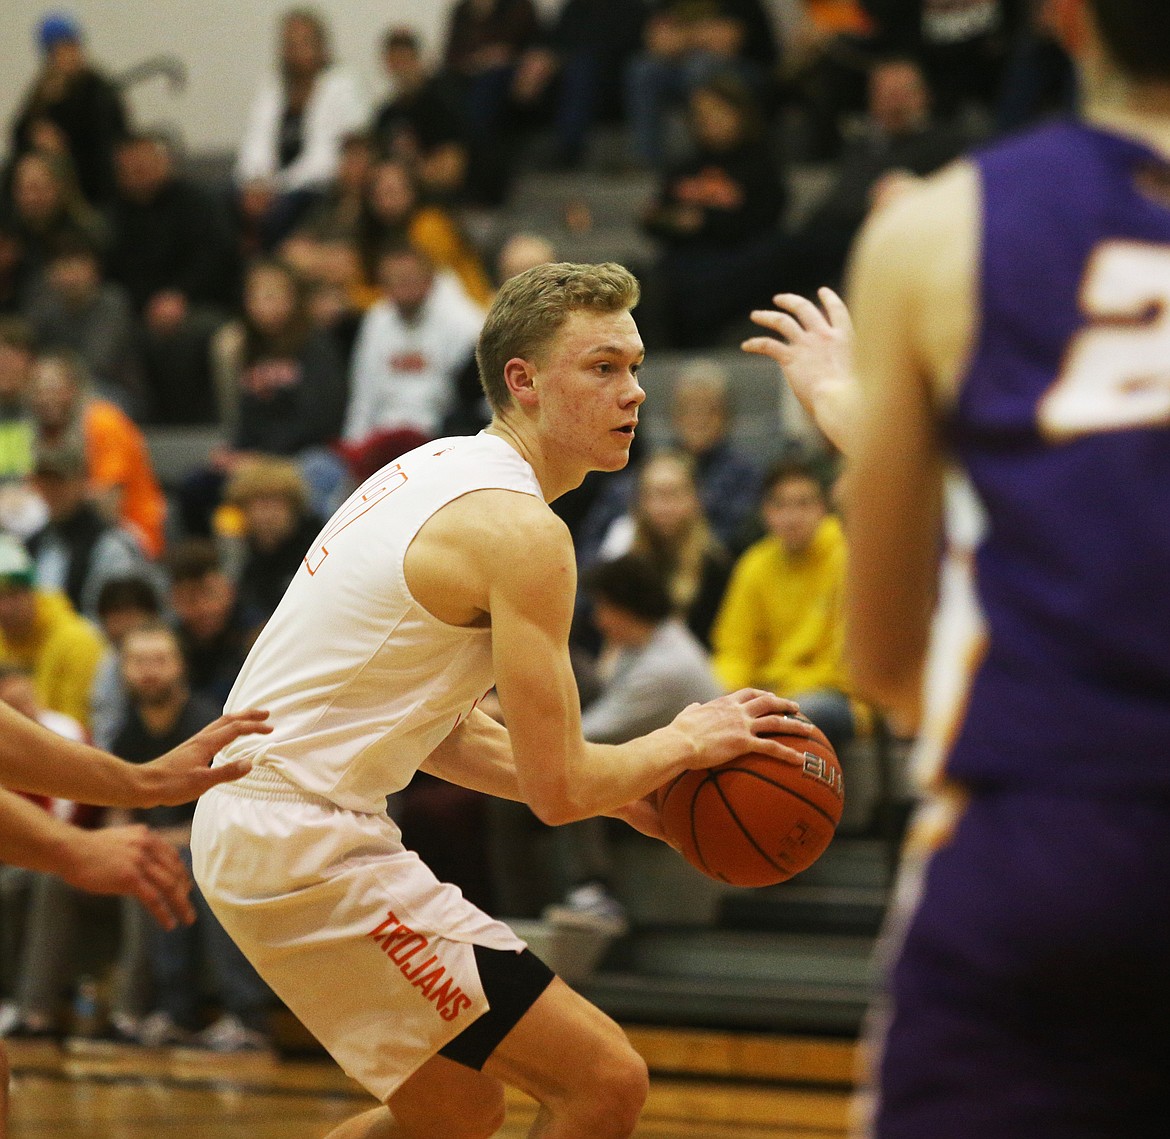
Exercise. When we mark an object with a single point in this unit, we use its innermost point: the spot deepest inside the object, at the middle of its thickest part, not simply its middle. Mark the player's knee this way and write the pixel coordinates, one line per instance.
(619, 1083)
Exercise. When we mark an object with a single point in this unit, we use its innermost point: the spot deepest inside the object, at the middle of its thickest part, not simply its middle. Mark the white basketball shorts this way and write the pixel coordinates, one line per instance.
(351, 930)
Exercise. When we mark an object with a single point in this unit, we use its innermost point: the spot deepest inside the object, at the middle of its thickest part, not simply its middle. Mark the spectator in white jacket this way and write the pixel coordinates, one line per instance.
(295, 127)
(410, 349)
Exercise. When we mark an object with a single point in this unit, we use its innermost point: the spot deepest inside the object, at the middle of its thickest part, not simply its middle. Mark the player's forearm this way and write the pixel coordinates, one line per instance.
(477, 755)
(40, 762)
(32, 838)
(605, 777)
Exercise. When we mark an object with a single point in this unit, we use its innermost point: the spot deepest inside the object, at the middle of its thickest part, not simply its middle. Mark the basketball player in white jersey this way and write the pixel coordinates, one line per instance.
(446, 573)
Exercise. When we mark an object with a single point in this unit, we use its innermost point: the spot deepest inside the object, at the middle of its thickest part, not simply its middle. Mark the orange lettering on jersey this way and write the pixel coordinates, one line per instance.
(425, 985)
(407, 948)
(402, 945)
(410, 974)
(461, 1002)
(391, 920)
(376, 488)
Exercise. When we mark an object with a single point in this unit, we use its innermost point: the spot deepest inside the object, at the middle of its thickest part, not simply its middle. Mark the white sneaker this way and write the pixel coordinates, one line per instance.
(9, 1017)
(590, 907)
(230, 1034)
(158, 1030)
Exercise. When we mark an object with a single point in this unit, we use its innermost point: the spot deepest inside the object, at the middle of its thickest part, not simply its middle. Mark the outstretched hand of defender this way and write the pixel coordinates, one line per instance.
(738, 723)
(813, 344)
(183, 774)
(135, 861)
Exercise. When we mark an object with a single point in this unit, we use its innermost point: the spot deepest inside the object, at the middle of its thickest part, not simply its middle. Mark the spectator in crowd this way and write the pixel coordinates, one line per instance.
(292, 137)
(11, 266)
(17, 428)
(72, 109)
(47, 208)
(124, 603)
(323, 247)
(41, 632)
(172, 250)
(716, 214)
(485, 41)
(79, 549)
(962, 43)
(283, 389)
(522, 251)
(781, 626)
(211, 629)
(651, 667)
(729, 482)
(582, 63)
(393, 215)
(21, 509)
(687, 44)
(162, 713)
(898, 136)
(420, 124)
(41, 912)
(410, 349)
(1039, 78)
(278, 528)
(666, 525)
(73, 308)
(121, 475)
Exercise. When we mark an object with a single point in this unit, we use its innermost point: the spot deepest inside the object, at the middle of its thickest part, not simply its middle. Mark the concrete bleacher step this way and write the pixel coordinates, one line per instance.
(610, 197)
(732, 979)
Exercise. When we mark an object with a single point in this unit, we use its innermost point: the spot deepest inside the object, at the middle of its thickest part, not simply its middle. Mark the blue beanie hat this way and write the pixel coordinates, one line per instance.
(56, 27)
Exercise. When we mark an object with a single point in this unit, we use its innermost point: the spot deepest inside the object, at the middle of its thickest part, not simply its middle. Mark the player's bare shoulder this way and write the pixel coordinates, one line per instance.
(462, 551)
(918, 259)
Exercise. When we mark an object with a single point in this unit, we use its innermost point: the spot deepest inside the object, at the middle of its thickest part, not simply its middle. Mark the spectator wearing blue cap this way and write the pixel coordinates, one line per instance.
(71, 109)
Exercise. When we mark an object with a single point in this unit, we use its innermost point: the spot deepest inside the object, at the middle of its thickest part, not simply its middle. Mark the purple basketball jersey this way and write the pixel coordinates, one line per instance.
(1061, 426)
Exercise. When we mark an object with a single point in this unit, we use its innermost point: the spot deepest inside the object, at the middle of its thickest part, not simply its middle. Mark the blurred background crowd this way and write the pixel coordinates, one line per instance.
(308, 310)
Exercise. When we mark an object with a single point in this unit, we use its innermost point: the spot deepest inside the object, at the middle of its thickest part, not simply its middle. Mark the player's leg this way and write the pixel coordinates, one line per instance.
(442, 1100)
(577, 1064)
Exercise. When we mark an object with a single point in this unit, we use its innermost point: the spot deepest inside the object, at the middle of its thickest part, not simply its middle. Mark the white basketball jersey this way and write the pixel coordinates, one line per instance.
(361, 681)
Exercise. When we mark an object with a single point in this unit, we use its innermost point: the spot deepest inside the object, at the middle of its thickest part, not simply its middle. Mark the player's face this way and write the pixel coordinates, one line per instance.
(792, 510)
(587, 383)
(152, 666)
(667, 500)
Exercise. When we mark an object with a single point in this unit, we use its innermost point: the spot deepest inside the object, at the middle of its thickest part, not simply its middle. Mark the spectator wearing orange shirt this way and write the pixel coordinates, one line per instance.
(120, 472)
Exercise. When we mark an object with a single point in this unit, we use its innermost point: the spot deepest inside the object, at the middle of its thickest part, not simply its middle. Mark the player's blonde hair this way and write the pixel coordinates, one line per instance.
(530, 308)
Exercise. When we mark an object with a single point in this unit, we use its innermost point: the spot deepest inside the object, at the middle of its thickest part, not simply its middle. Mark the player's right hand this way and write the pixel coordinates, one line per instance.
(183, 773)
(134, 861)
(741, 722)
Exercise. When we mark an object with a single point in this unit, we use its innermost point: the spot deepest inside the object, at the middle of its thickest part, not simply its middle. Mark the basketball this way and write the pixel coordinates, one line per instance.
(755, 820)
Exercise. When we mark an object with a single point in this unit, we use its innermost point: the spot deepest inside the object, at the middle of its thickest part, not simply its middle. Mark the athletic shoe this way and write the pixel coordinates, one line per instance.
(230, 1034)
(159, 1030)
(591, 907)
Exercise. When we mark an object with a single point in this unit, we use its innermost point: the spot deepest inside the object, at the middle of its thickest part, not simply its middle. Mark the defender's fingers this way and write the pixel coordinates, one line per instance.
(782, 323)
(226, 772)
(839, 316)
(805, 311)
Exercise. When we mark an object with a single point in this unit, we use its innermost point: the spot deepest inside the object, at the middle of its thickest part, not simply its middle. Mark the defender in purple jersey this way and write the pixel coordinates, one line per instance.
(1013, 376)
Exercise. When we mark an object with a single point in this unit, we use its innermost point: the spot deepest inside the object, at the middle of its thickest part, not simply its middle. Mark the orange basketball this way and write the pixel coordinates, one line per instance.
(755, 820)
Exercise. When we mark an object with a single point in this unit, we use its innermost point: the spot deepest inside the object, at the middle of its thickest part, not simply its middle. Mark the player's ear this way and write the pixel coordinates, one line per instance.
(519, 375)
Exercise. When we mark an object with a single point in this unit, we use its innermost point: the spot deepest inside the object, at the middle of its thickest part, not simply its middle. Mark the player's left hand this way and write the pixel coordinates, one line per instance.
(183, 774)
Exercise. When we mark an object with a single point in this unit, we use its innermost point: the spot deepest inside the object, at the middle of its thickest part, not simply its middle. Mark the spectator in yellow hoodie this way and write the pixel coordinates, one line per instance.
(781, 626)
(41, 632)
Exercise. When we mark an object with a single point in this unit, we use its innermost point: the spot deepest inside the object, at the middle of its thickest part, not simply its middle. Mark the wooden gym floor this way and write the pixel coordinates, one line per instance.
(707, 1085)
